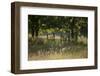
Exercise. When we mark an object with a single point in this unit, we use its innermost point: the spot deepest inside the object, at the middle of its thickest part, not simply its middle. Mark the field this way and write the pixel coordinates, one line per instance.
(51, 49)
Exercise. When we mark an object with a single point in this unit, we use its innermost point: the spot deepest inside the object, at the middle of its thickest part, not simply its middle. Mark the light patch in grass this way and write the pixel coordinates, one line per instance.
(61, 55)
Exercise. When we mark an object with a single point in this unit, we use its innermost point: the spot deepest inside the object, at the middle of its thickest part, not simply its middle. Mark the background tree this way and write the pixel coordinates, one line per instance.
(71, 27)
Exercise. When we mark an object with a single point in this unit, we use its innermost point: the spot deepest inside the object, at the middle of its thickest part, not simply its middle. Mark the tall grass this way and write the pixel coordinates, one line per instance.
(50, 49)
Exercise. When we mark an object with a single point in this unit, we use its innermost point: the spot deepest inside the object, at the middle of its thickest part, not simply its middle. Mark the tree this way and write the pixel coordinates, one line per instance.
(72, 27)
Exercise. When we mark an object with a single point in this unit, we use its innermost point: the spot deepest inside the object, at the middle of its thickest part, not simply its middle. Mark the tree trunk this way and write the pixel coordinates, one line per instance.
(72, 29)
(47, 36)
(33, 33)
(37, 33)
(54, 36)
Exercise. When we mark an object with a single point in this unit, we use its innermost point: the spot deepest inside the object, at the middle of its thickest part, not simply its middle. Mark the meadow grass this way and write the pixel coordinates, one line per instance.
(56, 49)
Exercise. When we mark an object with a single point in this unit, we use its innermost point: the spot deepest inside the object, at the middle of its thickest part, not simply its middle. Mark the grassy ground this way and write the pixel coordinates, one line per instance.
(55, 55)
(43, 49)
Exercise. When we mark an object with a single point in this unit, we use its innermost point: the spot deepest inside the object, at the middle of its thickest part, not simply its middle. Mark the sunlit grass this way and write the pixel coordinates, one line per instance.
(54, 49)
(62, 55)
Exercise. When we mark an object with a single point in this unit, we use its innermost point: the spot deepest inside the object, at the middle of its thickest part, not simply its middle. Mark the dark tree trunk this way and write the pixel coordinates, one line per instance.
(72, 29)
(54, 36)
(69, 34)
(33, 33)
(76, 36)
(47, 35)
(37, 33)
(72, 33)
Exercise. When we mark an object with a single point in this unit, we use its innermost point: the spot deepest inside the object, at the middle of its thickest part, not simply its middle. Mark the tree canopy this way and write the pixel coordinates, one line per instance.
(72, 26)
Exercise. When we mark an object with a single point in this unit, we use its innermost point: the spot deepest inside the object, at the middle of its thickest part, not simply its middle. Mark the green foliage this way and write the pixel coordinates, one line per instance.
(72, 26)
(59, 36)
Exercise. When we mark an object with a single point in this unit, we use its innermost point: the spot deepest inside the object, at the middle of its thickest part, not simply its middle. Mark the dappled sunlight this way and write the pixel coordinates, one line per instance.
(57, 37)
